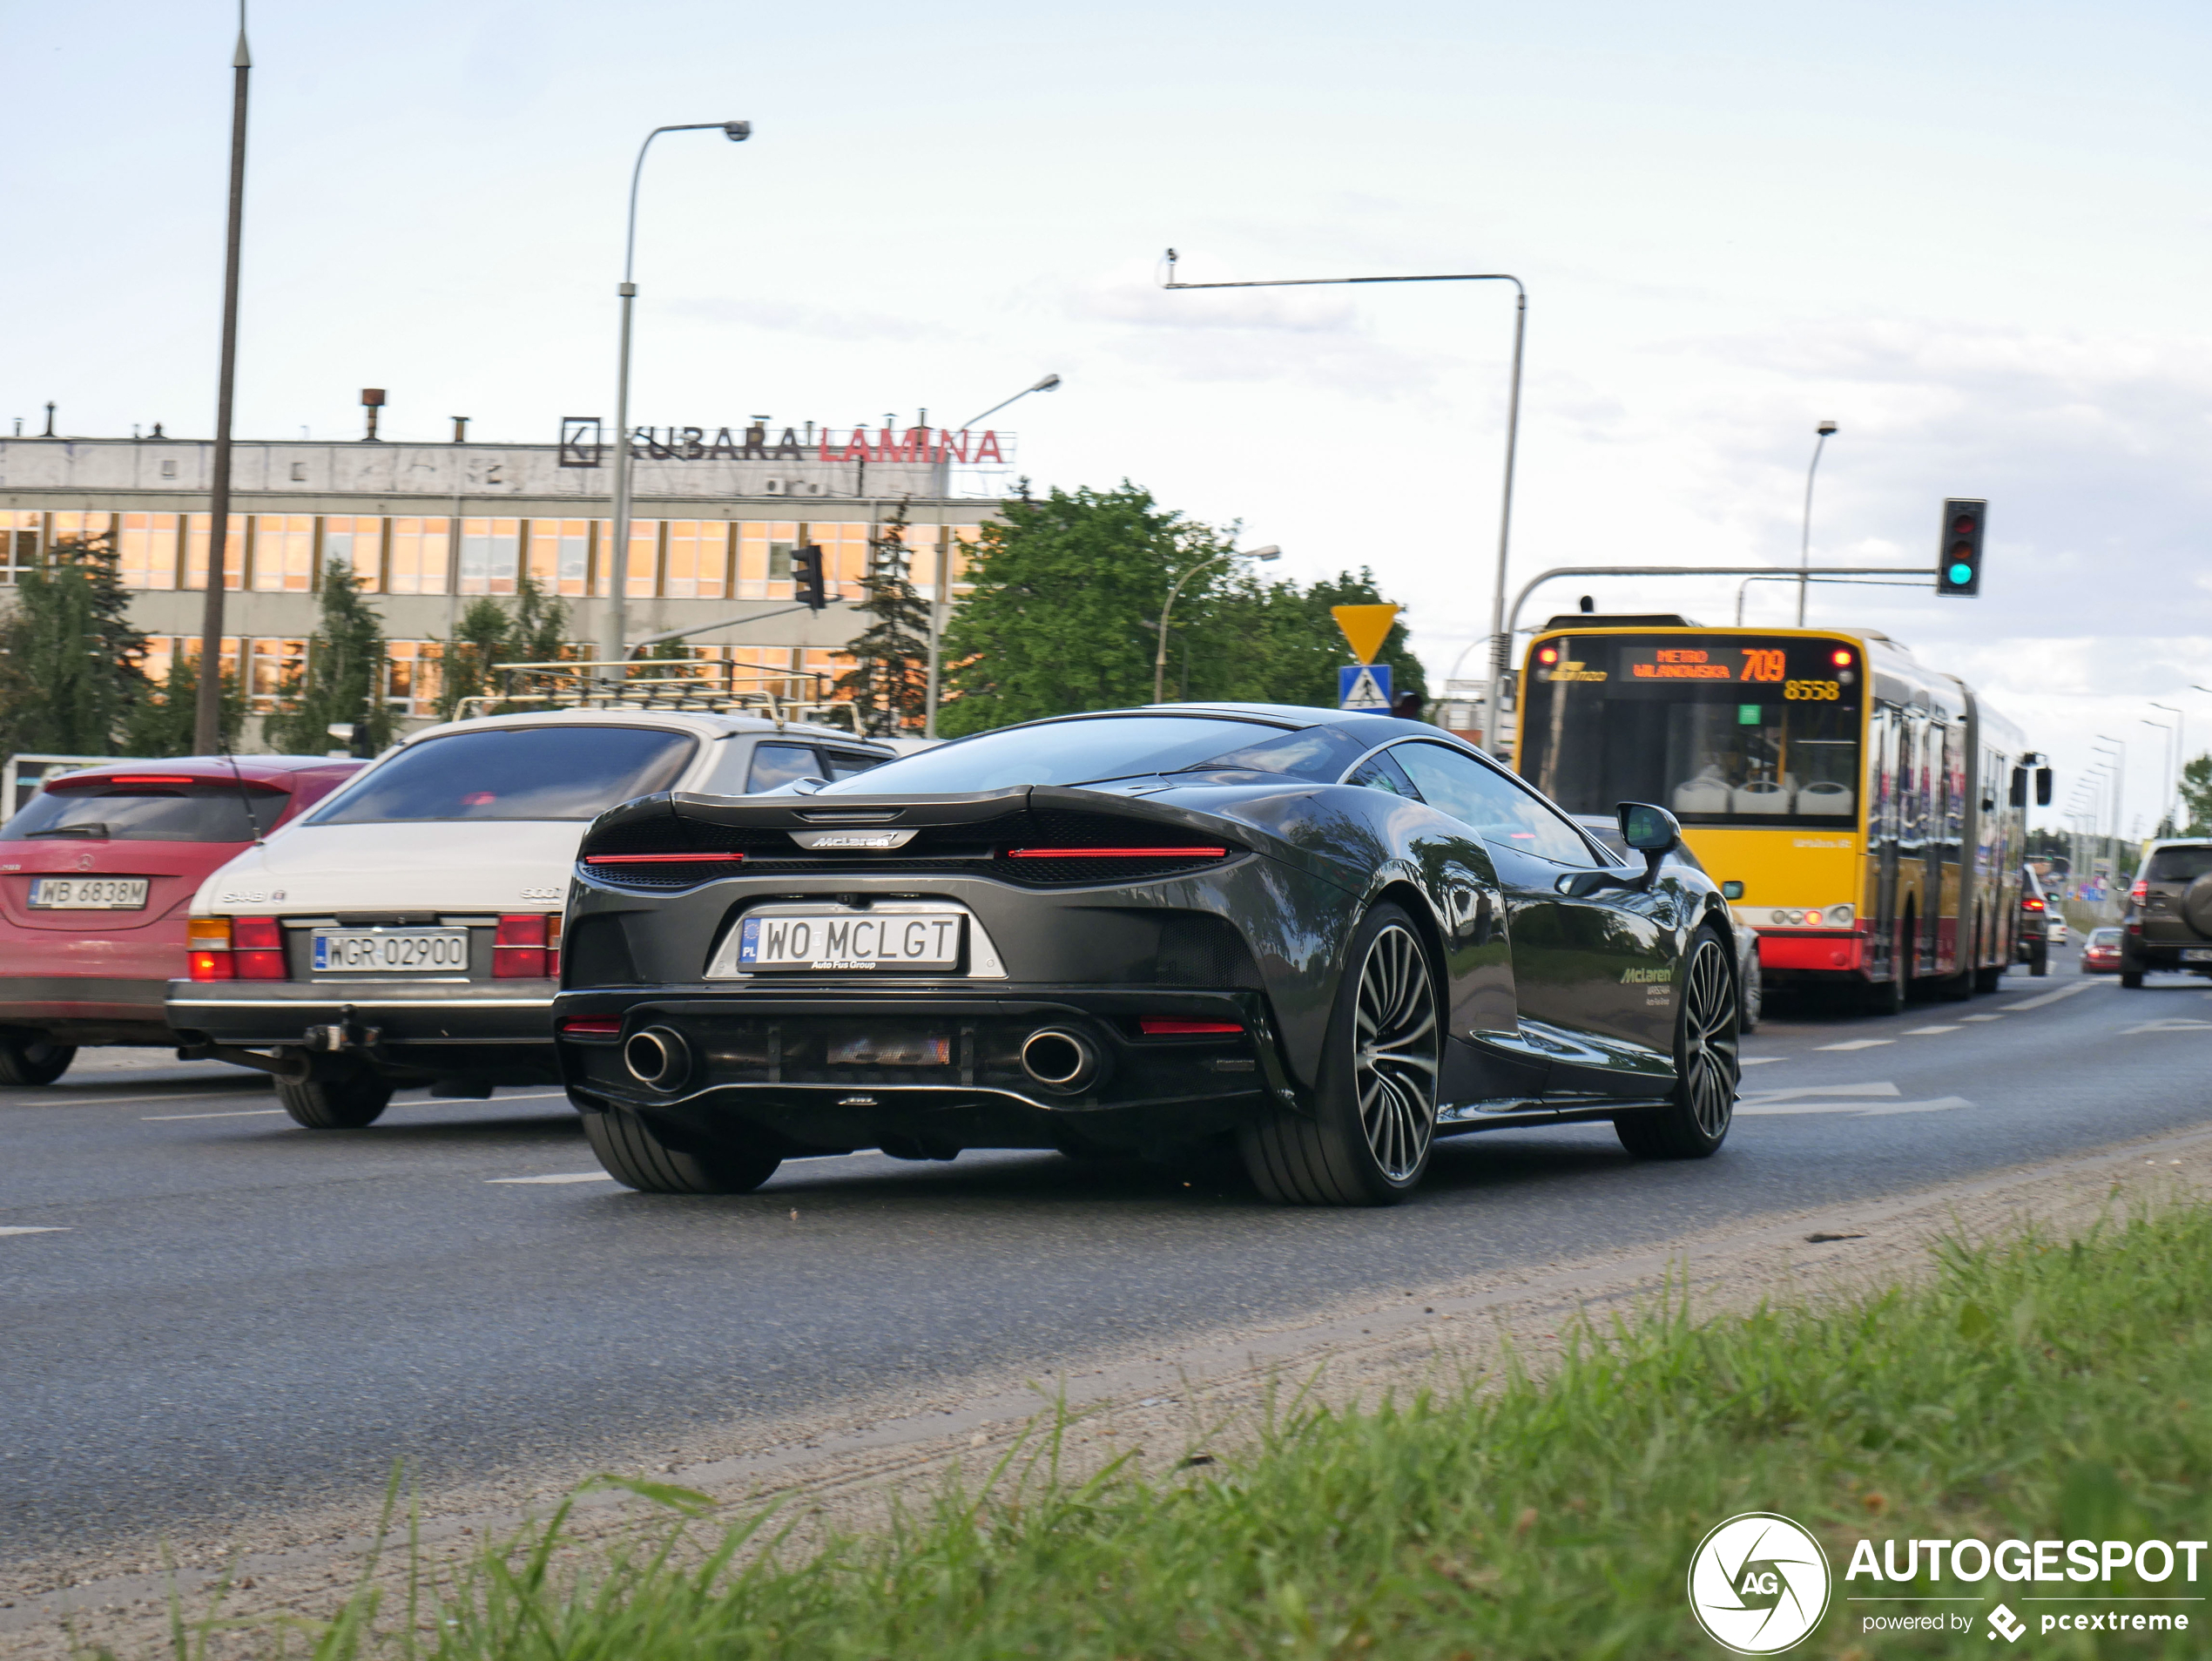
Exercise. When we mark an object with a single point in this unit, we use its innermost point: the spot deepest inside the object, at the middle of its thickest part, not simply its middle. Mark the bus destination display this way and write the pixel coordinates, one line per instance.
(1712, 664)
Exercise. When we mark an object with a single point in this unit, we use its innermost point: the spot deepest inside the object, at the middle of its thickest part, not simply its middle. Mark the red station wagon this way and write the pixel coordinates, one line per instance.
(96, 876)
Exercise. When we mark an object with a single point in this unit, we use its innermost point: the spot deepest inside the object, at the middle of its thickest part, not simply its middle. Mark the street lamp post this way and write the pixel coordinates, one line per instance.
(2119, 785)
(2172, 779)
(1804, 542)
(207, 711)
(941, 601)
(1160, 661)
(1500, 644)
(611, 647)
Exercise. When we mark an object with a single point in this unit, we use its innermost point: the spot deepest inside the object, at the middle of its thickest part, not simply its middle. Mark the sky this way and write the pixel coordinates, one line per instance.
(1974, 236)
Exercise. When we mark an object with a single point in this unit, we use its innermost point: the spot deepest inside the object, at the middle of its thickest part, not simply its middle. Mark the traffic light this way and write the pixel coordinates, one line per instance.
(806, 573)
(1958, 550)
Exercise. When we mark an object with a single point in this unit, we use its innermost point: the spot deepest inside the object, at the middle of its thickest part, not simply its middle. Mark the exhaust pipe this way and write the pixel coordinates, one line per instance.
(1059, 1060)
(659, 1058)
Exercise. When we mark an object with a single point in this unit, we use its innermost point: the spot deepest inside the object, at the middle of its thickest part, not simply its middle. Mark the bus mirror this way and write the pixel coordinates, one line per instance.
(2020, 787)
(1731, 890)
(2042, 786)
(1648, 829)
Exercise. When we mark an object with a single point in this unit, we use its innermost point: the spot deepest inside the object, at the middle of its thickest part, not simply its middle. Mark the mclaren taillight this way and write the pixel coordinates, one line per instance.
(1157, 1026)
(527, 947)
(1117, 852)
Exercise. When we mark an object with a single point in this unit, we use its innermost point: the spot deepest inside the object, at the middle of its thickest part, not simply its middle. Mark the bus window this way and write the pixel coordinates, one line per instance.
(1721, 730)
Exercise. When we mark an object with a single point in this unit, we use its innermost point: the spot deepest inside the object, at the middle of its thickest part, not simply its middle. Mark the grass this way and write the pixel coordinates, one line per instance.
(2031, 1389)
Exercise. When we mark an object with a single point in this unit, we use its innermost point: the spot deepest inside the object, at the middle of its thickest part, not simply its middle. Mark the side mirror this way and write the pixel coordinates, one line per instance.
(1647, 828)
(2019, 788)
(2042, 786)
(1731, 890)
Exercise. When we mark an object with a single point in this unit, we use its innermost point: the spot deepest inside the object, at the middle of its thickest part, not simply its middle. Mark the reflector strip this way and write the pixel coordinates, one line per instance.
(594, 1026)
(657, 859)
(1117, 852)
(1154, 1026)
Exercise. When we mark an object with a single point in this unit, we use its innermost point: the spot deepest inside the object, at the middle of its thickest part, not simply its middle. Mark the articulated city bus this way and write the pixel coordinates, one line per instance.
(1871, 810)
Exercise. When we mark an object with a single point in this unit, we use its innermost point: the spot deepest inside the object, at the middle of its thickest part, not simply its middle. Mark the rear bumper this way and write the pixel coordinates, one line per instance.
(440, 1022)
(1811, 951)
(770, 1066)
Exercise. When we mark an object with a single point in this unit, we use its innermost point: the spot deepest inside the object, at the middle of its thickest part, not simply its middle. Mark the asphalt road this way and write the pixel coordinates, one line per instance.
(206, 1312)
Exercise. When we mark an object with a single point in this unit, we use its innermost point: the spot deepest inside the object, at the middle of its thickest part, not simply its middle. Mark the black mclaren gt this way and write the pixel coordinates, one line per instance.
(1327, 938)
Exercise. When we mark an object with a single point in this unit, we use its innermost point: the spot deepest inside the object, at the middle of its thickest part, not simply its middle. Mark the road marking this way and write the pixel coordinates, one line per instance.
(571, 1176)
(1759, 1061)
(234, 1113)
(1768, 1103)
(2177, 1024)
(1924, 1032)
(33, 1231)
(119, 1101)
(1797, 1091)
(2000, 1017)
(2039, 1001)
(1855, 1043)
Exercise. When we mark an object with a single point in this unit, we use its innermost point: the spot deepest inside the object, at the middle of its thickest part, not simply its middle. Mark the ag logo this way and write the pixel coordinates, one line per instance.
(1758, 1583)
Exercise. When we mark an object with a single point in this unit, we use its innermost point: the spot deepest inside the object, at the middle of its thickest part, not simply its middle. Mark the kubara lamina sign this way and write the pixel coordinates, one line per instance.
(583, 444)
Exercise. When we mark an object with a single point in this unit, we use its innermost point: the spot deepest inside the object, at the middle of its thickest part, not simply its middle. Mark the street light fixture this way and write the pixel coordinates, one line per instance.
(1501, 640)
(2172, 781)
(1160, 662)
(613, 646)
(1049, 383)
(1804, 543)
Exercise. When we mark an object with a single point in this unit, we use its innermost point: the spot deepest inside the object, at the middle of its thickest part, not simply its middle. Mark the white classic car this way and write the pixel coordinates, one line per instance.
(407, 932)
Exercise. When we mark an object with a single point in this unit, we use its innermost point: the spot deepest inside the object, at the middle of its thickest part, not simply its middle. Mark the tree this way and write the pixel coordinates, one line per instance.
(889, 680)
(343, 681)
(1064, 590)
(69, 660)
(1276, 642)
(2196, 796)
(488, 634)
(165, 722)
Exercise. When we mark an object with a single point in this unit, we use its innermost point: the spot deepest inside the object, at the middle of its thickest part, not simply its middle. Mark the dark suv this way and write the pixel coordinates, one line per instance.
(2169, 911)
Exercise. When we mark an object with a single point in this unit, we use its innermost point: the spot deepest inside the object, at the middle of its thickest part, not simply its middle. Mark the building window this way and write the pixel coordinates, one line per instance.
(411, 678)
(233, 551)
(418, 558)
(560, 555)
(490, 553)
(148, 545)
(165, 651)
(699, 559)
(284, 552)
(644, 558)
(764, 560)
(272, 669)
(19, 542)
(356, 542)
(80, 527)
(845, 556)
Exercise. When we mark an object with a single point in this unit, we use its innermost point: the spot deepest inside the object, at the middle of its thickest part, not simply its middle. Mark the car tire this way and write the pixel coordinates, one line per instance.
(2038, 960)
(636, 1158)
(33, 1061)
(2132, 979)
(1989, 978)
(344, 1101)
(1695, 1122)
(1369, 1139)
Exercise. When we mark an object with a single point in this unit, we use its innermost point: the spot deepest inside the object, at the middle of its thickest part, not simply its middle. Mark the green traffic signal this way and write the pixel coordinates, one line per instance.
(1959, 559)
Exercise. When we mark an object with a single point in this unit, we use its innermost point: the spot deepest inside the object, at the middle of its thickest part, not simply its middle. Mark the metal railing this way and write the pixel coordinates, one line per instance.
(709, 685)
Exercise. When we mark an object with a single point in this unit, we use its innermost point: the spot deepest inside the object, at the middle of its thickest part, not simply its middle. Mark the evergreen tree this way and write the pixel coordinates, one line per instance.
(490, 634)
(71, 671)
(889, 680)
(343, 680)
(2196, 796)
(165, 722)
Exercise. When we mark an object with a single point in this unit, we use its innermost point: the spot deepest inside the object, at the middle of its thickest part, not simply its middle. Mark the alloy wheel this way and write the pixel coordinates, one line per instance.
(1395, 1059)
(1709, 1022)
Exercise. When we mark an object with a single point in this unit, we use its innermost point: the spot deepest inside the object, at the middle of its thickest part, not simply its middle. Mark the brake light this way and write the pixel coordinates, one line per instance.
(147, 778)
(659, 859)
(208, 956)
(2031, 904)
(524, 942)
(257, 949)
(1156, 1026)
(2142, 890)
(592, 1026)
(1117, 852)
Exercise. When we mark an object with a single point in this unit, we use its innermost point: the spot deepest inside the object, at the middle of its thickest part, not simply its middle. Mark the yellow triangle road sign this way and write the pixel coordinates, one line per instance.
(1366, 626)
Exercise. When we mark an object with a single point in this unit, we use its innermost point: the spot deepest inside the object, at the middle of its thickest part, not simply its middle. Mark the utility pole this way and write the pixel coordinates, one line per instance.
(207, 715)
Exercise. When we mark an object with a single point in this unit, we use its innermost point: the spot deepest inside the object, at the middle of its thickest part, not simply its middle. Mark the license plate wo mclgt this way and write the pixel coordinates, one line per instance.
(852, 940)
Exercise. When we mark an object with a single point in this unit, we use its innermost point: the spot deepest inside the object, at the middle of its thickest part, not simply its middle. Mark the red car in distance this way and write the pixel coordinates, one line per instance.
(96, 873)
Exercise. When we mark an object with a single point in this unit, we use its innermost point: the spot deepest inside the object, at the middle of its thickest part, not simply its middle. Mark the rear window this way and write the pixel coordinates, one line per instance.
(2180, 864)
(512, 773)
(1063, 752)
(196, 813)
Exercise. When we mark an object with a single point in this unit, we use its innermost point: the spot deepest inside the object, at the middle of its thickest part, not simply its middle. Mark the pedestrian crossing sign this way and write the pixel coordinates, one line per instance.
(1363, 685)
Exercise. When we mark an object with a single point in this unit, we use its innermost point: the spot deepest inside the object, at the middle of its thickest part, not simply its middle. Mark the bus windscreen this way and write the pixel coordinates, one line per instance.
(1720, 730)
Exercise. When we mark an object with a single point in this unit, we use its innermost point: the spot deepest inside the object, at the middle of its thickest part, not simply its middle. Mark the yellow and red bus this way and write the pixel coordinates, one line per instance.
(1865, 815)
